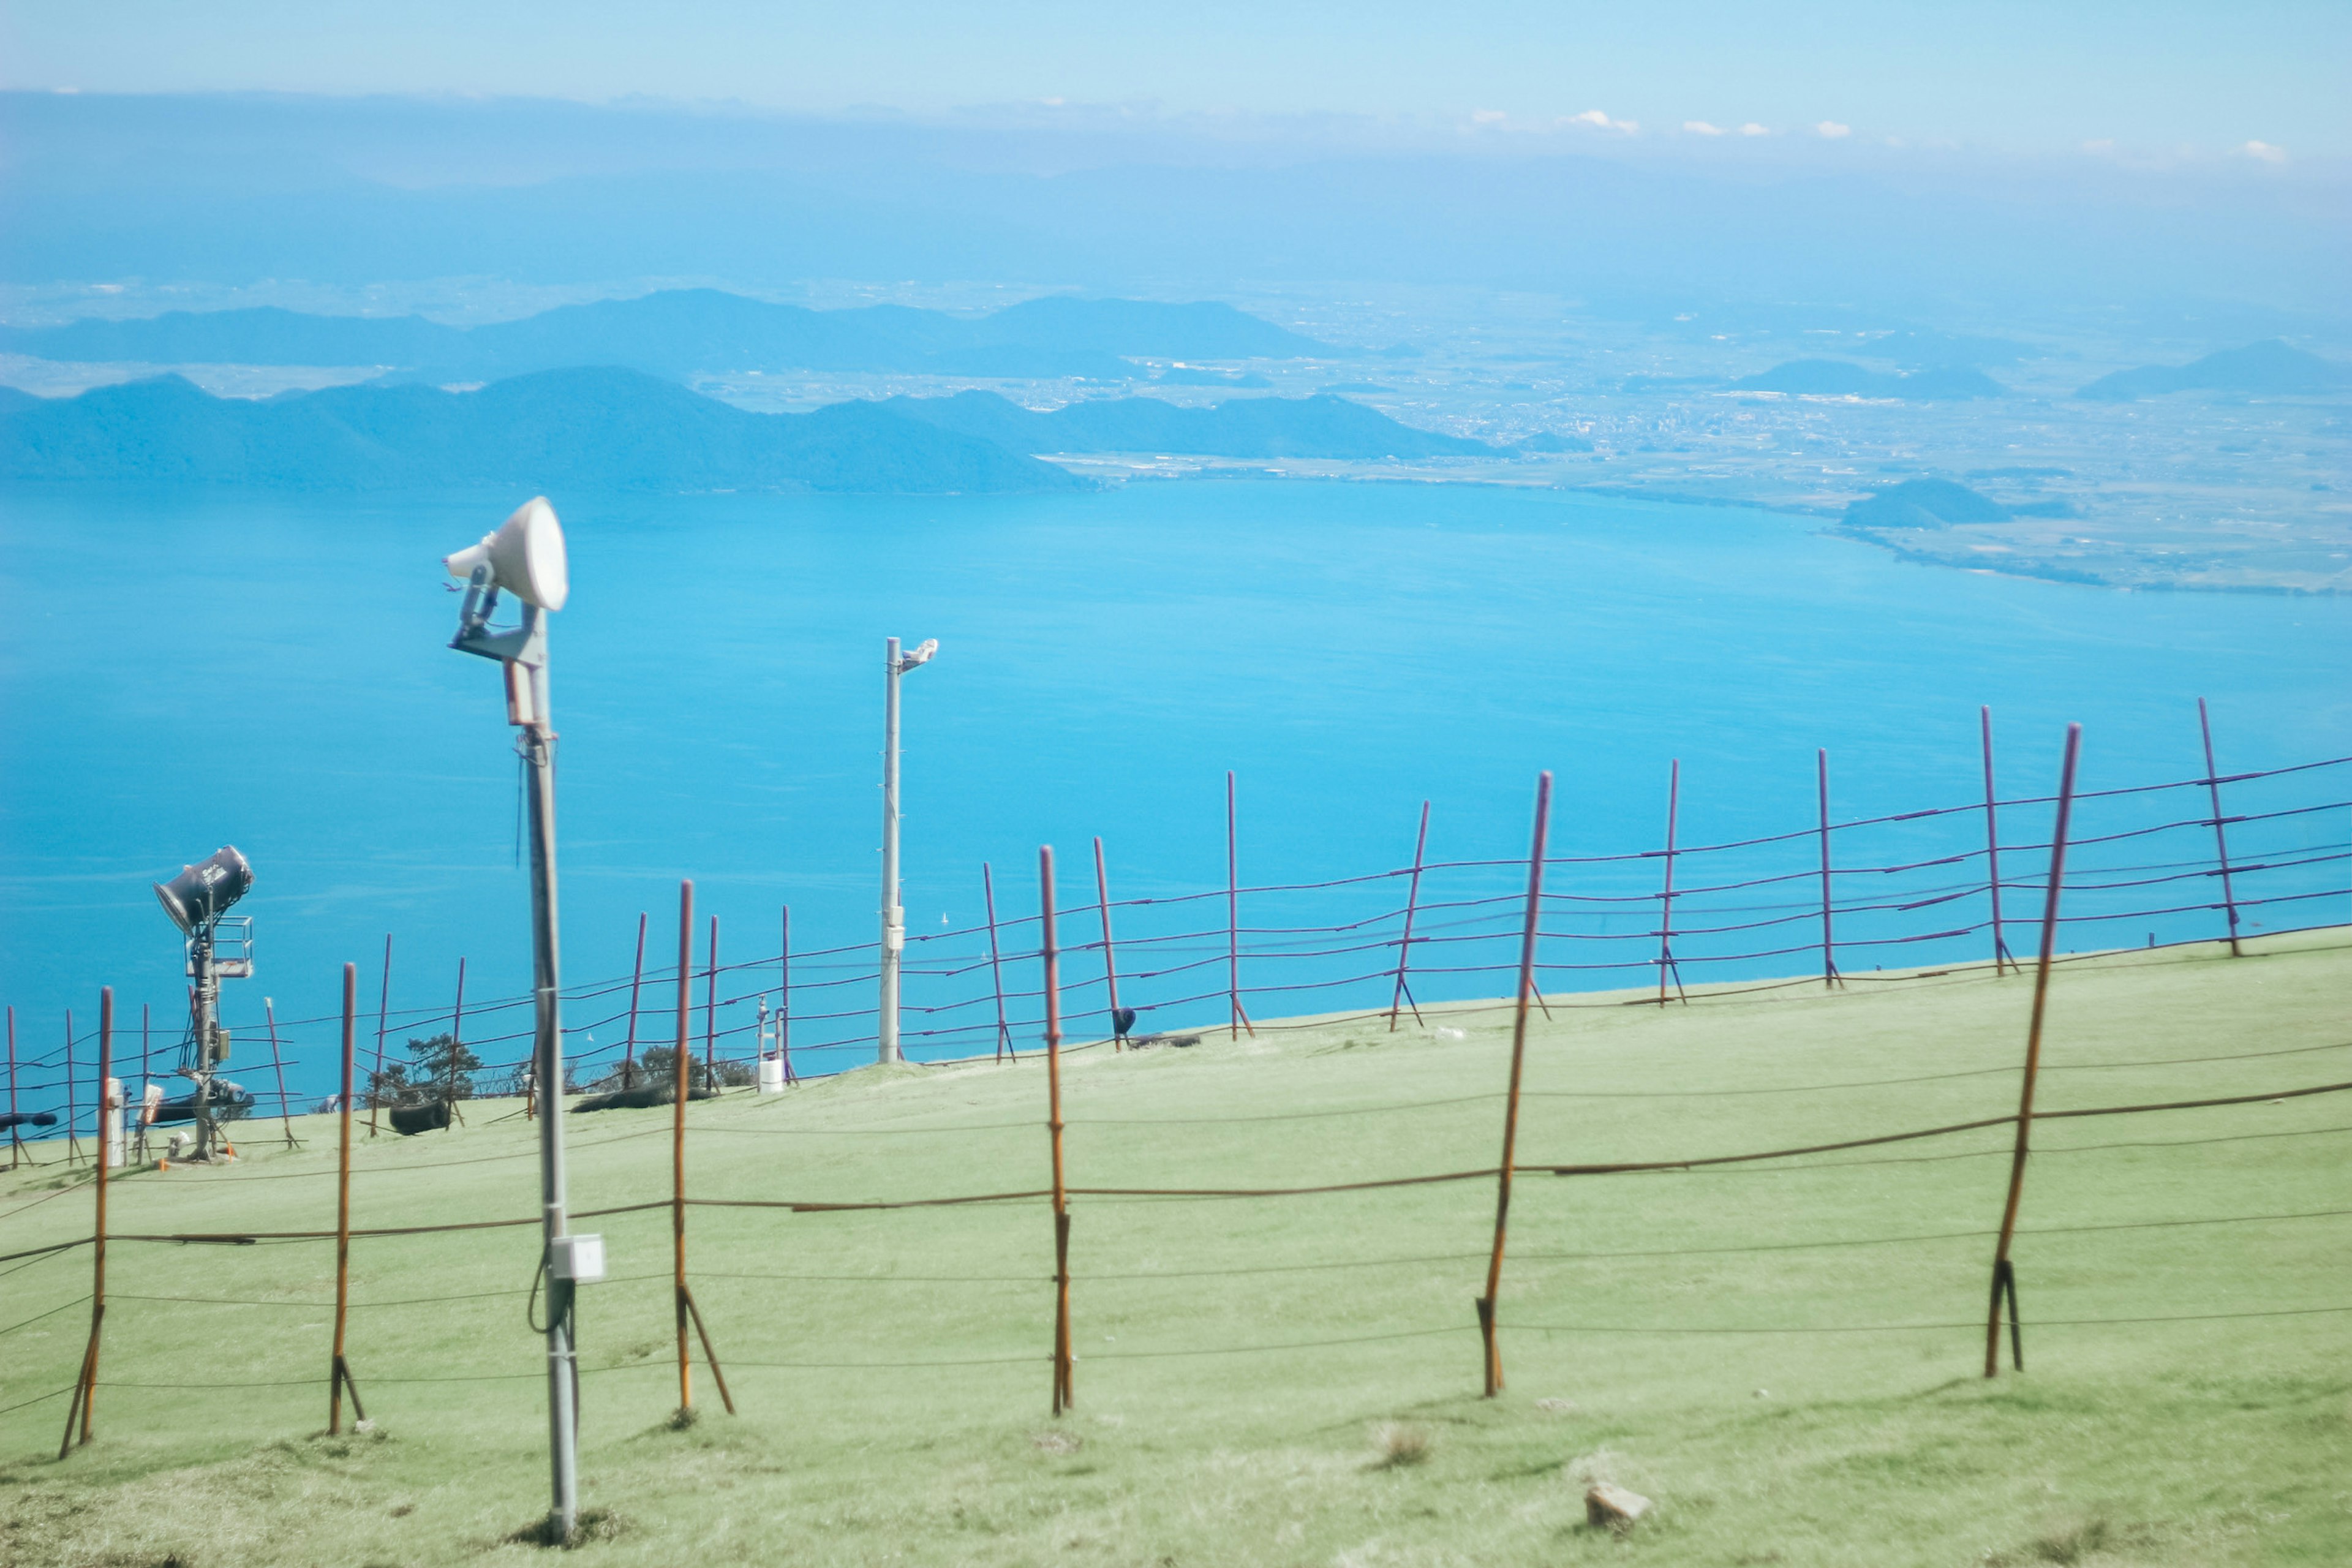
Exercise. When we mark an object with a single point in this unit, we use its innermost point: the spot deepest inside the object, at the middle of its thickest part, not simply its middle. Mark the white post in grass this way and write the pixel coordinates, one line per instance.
(894, 917)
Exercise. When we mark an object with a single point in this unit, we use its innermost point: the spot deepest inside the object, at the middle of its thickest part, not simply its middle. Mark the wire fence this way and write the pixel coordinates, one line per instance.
(2218, 856)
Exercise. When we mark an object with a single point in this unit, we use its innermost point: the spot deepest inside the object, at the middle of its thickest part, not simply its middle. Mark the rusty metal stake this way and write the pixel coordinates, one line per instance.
(73, 1144)
(1667, 964)
(1240, 1019)
(87, 1396)
(709, 1356)
(1404, 996)
(996, 967)
(636, 981)
(2001, 955)
(1511, 1106)
(710, 1011)
(1064, 1397)
(2004, 1277)
(285, 1110)
(1830, 977)
(1111, 956)
(16, 1139)
(383, 1006)
(2220, 839)
(784, 1000)
(681, 1070)
(337, 1373)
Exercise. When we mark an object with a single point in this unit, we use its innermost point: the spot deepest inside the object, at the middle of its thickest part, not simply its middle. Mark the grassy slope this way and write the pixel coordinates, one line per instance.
(2215, 1442)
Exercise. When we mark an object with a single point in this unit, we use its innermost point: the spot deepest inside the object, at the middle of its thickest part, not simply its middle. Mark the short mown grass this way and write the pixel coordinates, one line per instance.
(1294, 1380)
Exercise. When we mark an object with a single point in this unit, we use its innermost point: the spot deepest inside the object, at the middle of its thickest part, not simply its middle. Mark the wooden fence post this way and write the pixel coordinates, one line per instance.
(2220, 839)
(1511, 1105)
(2004, 1277)
(1830, 977)
(636, 981)
(1110, 957)
(383, 1008)
(1404, 994)
(996, 967)
(1667, 967)
(1240, 1019)
(1064, 1395)
(338, 1369)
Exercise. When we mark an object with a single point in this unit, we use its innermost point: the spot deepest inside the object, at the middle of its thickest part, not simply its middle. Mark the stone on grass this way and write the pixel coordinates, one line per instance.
(1613, 1507)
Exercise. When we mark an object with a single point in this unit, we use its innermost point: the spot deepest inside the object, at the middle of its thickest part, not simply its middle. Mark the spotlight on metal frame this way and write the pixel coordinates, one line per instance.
(525, 557)
(202, 893)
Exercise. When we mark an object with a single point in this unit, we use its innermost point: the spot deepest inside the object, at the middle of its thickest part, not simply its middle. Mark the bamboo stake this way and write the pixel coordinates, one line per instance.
(1240, 1020)
(383, 1011)
(1829, 950)
(2001, 956)
(336, 1367)
(682, 1067)
(1667, 964)
(1110, 958)
(996, 967)
(1404, 943)
(2004, 1277)
(1511, 1106)
(1064, 1397)
(285, 1111)
(2220, 839)
(637, 979)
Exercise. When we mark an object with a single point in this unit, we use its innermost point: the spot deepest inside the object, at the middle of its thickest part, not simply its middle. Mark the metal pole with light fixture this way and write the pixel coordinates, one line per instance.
(526, 558)
(894, 917)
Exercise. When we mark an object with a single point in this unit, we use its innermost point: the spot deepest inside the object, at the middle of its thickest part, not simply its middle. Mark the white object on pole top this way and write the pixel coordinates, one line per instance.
(525, 557)
(921, 656)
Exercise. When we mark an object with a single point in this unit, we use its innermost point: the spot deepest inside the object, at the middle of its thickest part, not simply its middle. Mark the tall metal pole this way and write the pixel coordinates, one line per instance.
(2004, 1277)
(1992, 846)
(1063, 1394)
(637, 979)
(1829, 948)
(1511, 1105)
(562, 1371)
(996, 965)
(893, 917)
(2220, 839)
(1404, 943)
(382, 1008)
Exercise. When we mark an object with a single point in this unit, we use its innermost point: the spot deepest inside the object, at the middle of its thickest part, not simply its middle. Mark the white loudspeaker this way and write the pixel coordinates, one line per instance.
(525, 555)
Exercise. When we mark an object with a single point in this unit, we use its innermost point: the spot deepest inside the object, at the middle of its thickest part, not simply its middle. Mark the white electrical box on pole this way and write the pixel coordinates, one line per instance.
(894, 917)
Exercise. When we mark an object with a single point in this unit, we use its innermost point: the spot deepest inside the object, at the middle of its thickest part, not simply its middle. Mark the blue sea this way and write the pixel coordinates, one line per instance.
(186, 668)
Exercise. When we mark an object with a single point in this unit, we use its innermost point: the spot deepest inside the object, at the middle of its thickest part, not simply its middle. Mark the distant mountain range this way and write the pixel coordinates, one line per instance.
(623, 429)
(680, 331)
(1838, 378)
(2271, 368)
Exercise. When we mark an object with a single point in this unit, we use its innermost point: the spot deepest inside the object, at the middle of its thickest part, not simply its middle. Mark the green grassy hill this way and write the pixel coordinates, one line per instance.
(1737, 1342)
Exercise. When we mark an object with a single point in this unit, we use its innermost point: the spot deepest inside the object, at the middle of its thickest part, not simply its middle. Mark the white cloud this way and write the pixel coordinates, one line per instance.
(1701, 128)
(2103, 144)
(1752, 129)
(2265, 152)
(1600, 121)
(1830, 130)
(1487, 116)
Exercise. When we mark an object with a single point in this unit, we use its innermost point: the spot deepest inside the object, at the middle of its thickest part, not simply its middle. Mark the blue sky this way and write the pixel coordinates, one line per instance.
(2164, 79)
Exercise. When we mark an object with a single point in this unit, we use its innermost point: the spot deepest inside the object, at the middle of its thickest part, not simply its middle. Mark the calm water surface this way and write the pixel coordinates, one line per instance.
(181, 670)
